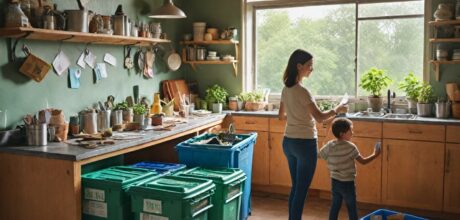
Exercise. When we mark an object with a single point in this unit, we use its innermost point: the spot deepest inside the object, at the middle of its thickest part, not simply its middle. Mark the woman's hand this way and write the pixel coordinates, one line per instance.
(342, 108)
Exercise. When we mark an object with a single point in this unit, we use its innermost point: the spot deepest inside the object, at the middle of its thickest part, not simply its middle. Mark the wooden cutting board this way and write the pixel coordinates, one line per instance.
(175, 89)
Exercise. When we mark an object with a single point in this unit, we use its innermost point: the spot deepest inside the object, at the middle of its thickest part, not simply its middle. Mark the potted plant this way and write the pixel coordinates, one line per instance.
(411, 86)
(374, 81)
(127, 111)
(139, 113)
(425, 100)
(254, 101)
(216, 95)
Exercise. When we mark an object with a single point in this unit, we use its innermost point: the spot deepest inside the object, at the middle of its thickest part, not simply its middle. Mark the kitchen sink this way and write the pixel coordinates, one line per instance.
(368, 114)
(400, 116)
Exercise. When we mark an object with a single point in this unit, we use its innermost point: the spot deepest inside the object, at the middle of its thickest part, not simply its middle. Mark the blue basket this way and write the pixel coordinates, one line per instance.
(384, 213)
(160, 167)
(238, 155)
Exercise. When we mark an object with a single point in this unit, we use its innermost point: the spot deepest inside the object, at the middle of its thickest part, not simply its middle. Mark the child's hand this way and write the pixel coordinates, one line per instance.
(377, 148)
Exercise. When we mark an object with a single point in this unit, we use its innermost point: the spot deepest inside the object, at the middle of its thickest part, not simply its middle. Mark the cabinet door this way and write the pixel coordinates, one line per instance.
(452, 179)
(369, 176)
(321, 179)
(279, 169)
(412, 174)
(250, 123)
(260, 161)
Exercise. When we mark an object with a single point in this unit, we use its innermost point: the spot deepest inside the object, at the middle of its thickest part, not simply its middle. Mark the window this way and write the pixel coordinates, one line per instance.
(385, 35)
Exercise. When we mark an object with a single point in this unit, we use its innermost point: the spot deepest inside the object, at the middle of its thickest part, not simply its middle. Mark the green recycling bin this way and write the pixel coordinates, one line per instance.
(172, 198)
(104, 192)
(229, 189)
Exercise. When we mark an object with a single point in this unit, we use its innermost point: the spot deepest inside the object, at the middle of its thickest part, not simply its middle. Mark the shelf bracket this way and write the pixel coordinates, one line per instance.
(235, 69)
(15, 44)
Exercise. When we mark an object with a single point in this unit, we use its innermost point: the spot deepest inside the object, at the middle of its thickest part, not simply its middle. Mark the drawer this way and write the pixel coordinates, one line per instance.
(367, 129)
(322, 128)
(250, 123)
(453, 134)
(414, 132)
(277, 125)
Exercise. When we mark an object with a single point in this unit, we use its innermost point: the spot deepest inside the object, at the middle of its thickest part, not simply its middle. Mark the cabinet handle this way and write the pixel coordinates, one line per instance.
(388, 151)
(250, 122)
(415, 132)
(448, 161)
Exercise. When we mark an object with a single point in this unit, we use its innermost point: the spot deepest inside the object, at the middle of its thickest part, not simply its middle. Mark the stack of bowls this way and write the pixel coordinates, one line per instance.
(456, 54)
(212, 55)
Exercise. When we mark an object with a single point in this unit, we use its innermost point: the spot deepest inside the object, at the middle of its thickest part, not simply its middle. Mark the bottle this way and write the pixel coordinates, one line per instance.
(156, 106)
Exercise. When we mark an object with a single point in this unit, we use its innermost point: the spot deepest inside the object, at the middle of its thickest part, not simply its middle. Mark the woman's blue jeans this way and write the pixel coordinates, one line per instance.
(343, 191)
(301, 155)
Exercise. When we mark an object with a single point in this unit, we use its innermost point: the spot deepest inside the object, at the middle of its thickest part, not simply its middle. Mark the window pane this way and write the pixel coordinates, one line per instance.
(394, 45)
(390, 9)
(328, 32)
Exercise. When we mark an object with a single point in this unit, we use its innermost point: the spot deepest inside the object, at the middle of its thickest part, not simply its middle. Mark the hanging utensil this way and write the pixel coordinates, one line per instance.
(149, 60)
(129, 64)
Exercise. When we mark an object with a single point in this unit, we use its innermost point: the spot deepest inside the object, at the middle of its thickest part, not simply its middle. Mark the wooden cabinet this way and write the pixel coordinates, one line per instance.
(321, 179)
(412, 174)
(368, 177)
(279, 169)
(414, 132)
(452, 134)
(452, 179)
(207, 43)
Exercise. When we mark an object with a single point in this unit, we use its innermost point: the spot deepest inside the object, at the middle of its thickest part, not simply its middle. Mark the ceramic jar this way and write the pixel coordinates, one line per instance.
(444, 12)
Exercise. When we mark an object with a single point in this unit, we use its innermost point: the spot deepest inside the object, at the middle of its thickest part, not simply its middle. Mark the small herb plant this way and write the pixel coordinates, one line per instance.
(411, 86)
(122, 106)
(216, 94)
(426, 95)
(139, 109)
(254, 96)
(325, 105)
(374, 81)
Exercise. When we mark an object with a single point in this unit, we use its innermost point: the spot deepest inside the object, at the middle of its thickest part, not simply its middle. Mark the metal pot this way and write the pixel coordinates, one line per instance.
(77, 20)
(37, 135)
(424, 110)
(442, 109)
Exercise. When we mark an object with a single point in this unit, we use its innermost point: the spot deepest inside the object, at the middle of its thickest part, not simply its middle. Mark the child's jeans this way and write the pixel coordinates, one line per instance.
(346, 191)
(301, 155)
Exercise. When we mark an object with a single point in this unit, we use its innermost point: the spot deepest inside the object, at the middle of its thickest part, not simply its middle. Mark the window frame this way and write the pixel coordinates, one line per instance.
(250, 19)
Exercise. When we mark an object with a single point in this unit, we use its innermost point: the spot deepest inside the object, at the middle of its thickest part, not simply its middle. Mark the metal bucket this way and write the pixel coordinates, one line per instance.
(37, 135)
(442, 109)
(117, 117)
(103, 120)
(424, 110)
(77, 20)
(90, 123)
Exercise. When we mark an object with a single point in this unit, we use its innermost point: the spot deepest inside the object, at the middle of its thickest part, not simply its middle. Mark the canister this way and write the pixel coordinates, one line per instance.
(117, 117)
(37, 135)
(90, 123)
(103, 120)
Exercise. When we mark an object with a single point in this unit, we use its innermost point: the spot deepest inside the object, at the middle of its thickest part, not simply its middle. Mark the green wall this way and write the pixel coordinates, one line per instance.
(19, 95)
(218, 14)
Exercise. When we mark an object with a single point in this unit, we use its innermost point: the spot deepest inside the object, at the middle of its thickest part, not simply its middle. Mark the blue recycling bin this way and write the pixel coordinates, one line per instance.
(238, 155)
(160, 167)
(384, 213)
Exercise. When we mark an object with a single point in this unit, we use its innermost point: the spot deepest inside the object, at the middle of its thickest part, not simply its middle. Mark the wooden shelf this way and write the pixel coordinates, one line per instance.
(444, 40)
(76, 37)
(437, 64)
(442, 23)
(210, 42)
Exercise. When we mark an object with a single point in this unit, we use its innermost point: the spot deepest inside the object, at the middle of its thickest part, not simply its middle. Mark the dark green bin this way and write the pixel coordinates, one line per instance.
(104, 192)
(172, 198)
(229, 189)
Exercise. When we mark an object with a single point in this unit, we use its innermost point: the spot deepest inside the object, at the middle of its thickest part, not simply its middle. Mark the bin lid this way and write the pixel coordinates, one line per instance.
(182, 187)
(119, 175)
(160, 167)
(218, 175)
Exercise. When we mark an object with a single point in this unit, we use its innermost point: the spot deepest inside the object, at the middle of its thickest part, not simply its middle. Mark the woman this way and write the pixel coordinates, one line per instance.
(300, 138)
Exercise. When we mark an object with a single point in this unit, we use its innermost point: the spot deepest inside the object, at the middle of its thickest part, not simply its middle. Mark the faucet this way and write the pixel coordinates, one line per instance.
(388, 101)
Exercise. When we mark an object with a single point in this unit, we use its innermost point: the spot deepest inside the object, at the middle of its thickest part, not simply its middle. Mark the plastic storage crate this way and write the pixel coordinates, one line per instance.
(104, 195)
(384, 213)
(238, 155)
(161, 167)
(229, 189)
(172, 198)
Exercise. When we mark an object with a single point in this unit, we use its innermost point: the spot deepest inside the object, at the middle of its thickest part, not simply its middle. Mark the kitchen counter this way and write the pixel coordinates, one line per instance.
(76, 153)
(416, 120)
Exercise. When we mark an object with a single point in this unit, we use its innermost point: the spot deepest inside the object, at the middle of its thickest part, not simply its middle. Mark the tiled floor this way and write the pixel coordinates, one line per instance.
(269, 207)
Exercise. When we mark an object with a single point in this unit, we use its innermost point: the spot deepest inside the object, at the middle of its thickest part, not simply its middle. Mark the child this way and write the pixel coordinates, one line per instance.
(340, 155)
